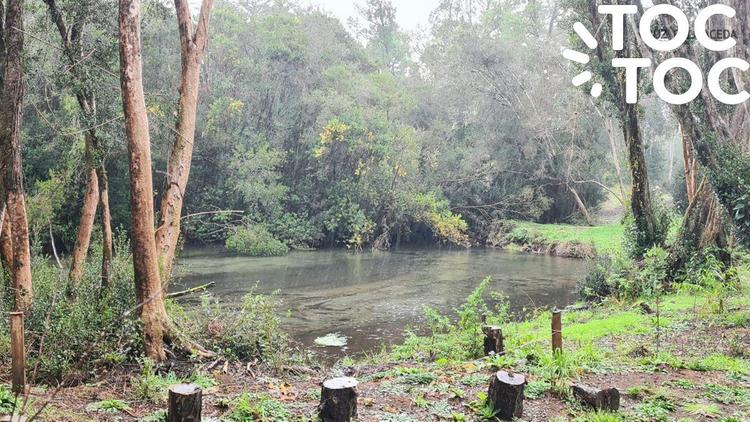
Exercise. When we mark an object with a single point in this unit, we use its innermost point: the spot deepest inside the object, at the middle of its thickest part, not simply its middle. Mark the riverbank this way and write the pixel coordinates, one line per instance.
(564, 240)
(680, 359)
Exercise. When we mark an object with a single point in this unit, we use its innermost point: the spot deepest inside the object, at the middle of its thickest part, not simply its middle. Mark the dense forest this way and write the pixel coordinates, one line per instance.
(131, 131)
(325, 137)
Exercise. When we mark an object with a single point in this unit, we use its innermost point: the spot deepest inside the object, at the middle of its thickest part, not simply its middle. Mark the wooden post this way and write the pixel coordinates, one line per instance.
(17, 353)
(506, 394)
(493, 340)
(607, 399)
(338, 400)
(556, 330)
(185, 403)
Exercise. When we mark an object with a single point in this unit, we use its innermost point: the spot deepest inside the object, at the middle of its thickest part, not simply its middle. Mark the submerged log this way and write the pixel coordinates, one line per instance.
(493, 340)
(338, 400)
(606, 399)
(506, 394)
(185, 403)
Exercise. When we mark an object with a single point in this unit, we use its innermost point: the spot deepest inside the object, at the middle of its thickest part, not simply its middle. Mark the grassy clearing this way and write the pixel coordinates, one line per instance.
(604, 239)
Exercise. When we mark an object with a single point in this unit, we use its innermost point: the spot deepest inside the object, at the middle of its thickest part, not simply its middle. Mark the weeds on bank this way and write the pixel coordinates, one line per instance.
(257, 407)
(153, 387)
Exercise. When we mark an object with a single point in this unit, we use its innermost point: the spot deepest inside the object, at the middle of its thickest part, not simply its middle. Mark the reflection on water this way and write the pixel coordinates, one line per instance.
(372, 297)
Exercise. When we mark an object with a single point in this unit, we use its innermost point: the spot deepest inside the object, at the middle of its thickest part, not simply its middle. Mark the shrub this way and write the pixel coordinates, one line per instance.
(248, 408)
(298, 231)
(636, 241)
(254, 240)
(596, 284)
(73, 336)
(252, 331)
(461, 340)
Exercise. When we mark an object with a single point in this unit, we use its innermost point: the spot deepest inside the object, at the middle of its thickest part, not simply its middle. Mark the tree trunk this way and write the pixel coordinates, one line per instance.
(71, 45)
(689, 162)
(607, 399)
(185, 403)
(505, 394)
(145, 262)
(610, 129)
(581, 206)
(11, 110)
(85, 227)
(640, 198)
(101, 173)
(703, 226)
(493, 340)
(338, 400)
(6, 243)
(192, 46)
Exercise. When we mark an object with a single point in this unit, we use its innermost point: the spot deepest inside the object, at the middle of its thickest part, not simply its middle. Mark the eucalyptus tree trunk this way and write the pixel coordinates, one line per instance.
(145, 261)
(85, 227)
(97, 184)
(6, 243)
(192, 46)
(103, 180)
(11, 111)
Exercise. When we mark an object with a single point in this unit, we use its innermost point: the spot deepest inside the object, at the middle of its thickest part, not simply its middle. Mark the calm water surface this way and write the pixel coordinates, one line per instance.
(372, 297)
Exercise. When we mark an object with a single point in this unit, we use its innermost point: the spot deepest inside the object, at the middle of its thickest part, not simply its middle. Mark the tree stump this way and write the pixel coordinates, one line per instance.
(185, 403)
(506, 394)
(493, 340)
(607, 399)
(338, 400)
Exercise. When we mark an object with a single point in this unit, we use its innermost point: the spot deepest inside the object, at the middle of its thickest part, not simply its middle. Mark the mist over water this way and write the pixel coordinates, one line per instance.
(373, 297)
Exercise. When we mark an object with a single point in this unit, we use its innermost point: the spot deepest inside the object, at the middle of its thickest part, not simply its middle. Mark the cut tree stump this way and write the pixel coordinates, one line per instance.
(338, 400)
(607, 399)
(506, 394)
(493, 340)
(185, 403)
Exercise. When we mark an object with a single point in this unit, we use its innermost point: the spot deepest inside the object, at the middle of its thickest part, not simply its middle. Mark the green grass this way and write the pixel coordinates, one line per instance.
(605, 239)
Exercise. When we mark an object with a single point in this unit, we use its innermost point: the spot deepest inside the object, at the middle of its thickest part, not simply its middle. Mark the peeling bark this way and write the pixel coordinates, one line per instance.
(148, 286)
(85, 228)
(11, 111)
(192, 46)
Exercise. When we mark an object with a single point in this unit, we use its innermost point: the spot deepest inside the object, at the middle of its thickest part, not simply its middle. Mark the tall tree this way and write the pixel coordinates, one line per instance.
(11, 170)
(192, 46)
(149, 292)
(648, 231)
(97, 182)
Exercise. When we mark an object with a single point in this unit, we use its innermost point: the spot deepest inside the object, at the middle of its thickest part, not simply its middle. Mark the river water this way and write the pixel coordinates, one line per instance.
(372, 297)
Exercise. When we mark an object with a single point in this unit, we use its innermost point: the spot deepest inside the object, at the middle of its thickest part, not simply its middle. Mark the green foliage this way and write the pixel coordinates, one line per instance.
(80, 332)
(254, 240)
(150, 385)
(651, 276)
(8, 402)
(600, 416)
(654, 409)
(536, 389)
(416, 376)
(108, 406)
(258, 408)
(638, 240)
(251, 331)
(158, 416)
